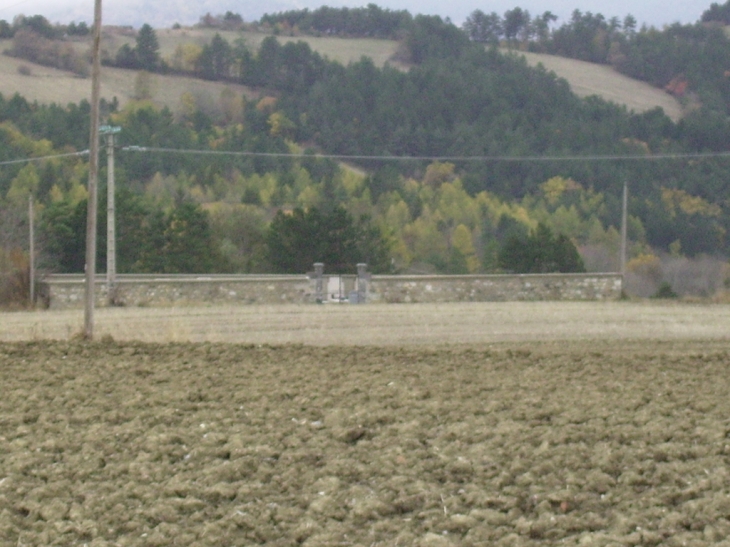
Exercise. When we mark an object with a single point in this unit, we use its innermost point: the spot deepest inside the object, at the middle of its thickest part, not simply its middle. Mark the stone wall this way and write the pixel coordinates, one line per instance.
(67, 291)
(494, 288)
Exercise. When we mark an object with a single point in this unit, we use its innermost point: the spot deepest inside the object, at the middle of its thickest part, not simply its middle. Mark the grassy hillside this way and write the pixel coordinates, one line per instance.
(48, 85)
(337, 49)
(587, 79)
(584, 78)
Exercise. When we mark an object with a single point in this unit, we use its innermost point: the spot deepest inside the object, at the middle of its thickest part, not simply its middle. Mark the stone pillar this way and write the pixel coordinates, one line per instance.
(362, 283)
(319, 282)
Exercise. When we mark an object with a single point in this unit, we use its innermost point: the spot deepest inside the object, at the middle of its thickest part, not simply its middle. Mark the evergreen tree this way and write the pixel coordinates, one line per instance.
(188, 244)
(6, 30)
(515, 21)
(296, 241)
(63, 226)
(147, 49)
(81, 29)
(216, 59)
(717, 13)
(540, 252)
(126, 57)
(483, 28)
(430, 37)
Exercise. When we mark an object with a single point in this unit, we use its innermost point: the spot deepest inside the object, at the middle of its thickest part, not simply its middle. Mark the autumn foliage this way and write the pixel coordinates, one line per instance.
(14, 278)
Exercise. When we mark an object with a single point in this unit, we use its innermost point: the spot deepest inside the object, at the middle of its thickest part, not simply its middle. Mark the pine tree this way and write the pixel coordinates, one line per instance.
(540, 252)
(148, 49)
(297, 240)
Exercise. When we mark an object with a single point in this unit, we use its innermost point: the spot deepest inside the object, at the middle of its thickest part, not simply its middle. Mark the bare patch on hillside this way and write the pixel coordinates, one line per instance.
(587, 79)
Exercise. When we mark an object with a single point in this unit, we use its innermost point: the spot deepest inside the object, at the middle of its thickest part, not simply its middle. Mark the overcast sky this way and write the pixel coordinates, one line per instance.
(651, 12)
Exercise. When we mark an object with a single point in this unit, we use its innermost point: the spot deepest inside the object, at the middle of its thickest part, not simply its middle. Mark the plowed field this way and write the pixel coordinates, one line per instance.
(211, 444)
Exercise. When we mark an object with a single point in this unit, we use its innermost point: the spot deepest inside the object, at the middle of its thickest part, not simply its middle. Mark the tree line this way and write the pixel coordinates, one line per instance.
(172, 218)
(459, 100)
(187, 212)
(431, 219)
(368, 22)
(717, 13)
(688, 61)
(42, 27)
(37, 40)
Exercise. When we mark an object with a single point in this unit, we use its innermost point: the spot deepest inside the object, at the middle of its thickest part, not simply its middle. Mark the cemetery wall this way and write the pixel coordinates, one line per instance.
(67, 291)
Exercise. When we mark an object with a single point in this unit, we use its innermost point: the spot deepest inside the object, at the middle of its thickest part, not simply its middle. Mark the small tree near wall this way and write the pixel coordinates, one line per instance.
(540, 252)
(300, 238)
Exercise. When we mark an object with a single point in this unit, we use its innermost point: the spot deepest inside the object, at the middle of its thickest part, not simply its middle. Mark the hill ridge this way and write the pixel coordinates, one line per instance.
(584, 78)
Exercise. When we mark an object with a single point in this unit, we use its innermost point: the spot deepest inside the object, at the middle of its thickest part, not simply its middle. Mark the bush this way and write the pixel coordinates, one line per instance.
(37, 49)
(14, 278)
(665, 291)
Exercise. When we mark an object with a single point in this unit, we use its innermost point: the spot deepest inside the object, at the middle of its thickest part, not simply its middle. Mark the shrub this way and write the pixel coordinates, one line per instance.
(665, 291)
(37, 49)
(14, 278)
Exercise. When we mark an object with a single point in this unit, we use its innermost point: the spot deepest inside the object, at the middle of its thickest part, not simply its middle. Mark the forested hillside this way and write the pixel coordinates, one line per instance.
(442, 167)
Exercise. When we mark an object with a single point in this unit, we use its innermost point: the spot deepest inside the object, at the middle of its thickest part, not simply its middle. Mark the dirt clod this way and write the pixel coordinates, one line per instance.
(201, 444)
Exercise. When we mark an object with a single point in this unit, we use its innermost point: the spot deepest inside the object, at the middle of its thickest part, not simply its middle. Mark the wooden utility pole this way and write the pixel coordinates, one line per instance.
(93, 176)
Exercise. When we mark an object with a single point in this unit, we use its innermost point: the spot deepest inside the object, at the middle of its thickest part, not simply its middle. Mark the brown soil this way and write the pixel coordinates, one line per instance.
(136, 444)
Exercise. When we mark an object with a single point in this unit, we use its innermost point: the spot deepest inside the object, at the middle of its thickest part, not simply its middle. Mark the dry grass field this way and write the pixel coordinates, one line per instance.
(587, 79)
(49, 85)
(520, 424)
(384, 324)
(337, 49)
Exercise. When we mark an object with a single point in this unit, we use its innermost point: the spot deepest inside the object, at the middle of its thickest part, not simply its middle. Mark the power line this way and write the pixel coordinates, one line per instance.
(3, 8)
(514, 159)
(609, 157)
(41, 158)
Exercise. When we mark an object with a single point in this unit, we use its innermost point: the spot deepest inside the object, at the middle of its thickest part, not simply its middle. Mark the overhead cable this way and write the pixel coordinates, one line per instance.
(345, 157)
(41, 158)
(614, 157)
(3, 8)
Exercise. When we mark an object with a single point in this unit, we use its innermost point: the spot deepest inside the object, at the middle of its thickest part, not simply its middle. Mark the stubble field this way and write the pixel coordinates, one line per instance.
(541, 430)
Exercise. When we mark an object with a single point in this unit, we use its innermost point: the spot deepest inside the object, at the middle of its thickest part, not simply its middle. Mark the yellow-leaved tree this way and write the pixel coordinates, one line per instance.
(463, 243)
(23, 185)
